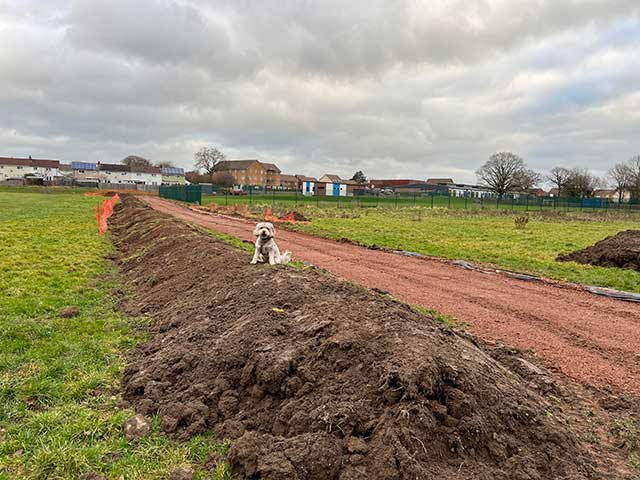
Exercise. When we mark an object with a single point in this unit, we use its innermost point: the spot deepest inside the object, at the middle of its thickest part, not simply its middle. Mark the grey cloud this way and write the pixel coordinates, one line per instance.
(392, 87)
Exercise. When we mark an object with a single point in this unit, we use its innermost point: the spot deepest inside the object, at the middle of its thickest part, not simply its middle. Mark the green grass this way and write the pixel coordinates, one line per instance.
(59, 378)
(627, 431)
(486, 237)
(292, 200)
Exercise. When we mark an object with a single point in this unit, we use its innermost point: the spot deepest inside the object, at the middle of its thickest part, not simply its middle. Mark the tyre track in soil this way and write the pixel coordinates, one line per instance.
(595, 340)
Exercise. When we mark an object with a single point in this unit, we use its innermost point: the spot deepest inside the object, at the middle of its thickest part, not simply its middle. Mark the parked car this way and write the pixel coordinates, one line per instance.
(237, 191)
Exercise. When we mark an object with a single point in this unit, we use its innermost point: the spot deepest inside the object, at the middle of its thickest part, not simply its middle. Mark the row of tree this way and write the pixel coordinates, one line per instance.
(506, 173)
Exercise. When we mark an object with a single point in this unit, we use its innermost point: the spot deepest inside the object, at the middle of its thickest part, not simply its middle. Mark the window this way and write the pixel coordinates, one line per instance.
(20, 167)
(123, 173)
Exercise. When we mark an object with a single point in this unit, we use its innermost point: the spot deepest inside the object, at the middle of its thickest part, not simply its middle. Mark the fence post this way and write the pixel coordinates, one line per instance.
(295, 202)
(465, 202)
(513, 202)
(250, 195)
(317, 199)
(273, 198)
(396, 195)
(481, 201)
(431, 200)
(414, 199)
(449, 201)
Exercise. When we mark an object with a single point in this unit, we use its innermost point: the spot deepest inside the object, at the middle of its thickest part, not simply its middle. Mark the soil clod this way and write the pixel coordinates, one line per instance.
(136, 427)
(69, 312)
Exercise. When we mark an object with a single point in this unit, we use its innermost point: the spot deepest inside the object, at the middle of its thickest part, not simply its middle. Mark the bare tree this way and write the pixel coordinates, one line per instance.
(133, 161)
(223, 179)
(558, 177)
(621, 175)
(634, 177)
(196, 177)
(527, 179)
(506, 172)
(359, 177)
(207, 158)
(581, 183)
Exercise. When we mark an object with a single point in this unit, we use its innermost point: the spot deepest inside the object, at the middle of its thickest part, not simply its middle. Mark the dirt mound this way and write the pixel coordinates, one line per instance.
(313, 378)
(621, 250)
(295, 216)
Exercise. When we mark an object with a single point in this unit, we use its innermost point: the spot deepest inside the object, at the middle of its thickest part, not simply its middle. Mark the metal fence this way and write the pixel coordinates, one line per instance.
(183, 193)
(515, 203)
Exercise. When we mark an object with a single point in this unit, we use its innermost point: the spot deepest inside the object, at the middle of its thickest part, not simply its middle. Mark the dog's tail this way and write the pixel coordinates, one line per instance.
(285, 257)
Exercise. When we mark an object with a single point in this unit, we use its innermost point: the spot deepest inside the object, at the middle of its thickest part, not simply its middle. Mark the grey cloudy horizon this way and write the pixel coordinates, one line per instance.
(397, 89)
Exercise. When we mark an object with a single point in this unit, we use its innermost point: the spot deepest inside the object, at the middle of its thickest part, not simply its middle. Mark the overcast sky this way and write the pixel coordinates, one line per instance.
(394, 88)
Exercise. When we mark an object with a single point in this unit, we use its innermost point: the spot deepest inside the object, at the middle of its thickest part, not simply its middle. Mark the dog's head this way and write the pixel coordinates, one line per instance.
(265, 230)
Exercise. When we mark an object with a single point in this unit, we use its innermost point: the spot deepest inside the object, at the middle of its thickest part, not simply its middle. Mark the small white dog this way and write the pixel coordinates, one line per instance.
(266, 246)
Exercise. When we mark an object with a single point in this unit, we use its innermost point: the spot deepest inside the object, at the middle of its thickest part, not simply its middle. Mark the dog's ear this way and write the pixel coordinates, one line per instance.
(272, 229)
(255, 230)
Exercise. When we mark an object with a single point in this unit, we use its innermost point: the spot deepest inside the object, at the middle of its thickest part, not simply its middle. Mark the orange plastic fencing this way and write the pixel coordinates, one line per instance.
(289, 218)
(104, 211)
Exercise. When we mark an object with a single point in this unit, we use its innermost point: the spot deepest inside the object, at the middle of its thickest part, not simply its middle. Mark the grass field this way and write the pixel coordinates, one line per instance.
(59, 378)
(532, 204)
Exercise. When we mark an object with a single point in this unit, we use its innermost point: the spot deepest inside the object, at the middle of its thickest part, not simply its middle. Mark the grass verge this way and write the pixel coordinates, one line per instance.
(59, 378)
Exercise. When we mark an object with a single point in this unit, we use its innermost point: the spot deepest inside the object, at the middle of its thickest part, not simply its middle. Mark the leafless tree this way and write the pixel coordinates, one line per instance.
(359, 177)
(634, 177)
(621, 174)
(558, 177)
(223, 179)
(581, 183)
(136, 161)
(207, 158)
(506, 172)
(196, 177)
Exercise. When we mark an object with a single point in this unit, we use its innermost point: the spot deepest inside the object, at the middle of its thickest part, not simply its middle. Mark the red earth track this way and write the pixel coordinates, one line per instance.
(595, 340)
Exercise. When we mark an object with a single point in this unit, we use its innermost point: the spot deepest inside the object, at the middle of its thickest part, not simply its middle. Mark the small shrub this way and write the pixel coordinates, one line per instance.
(521, 221)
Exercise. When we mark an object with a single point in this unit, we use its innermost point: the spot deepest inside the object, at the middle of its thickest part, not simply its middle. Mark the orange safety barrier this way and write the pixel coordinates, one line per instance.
(289, 218)
(104, 211)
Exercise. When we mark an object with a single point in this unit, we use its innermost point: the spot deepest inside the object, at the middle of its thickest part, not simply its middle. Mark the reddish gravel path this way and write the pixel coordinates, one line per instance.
(589, 338)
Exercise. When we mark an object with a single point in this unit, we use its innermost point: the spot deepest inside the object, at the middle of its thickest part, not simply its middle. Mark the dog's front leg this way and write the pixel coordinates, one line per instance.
(256, 255)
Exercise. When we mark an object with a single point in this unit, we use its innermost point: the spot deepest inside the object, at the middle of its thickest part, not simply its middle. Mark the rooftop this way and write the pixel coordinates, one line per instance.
(30, 162)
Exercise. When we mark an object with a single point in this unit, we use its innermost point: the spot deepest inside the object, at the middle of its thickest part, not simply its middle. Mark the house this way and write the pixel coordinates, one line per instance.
(611, 195)
(273, 174)
(18, 168)
(334, 186)
(537, 192)
(85, 172)
(120, 173)
(307, 185)
(288, 182)
(173, 176)
(251, 173)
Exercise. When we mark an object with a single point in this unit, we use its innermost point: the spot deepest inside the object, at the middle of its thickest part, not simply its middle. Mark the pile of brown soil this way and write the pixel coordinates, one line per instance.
(621, 250)
(314, 378)
(296, 216)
